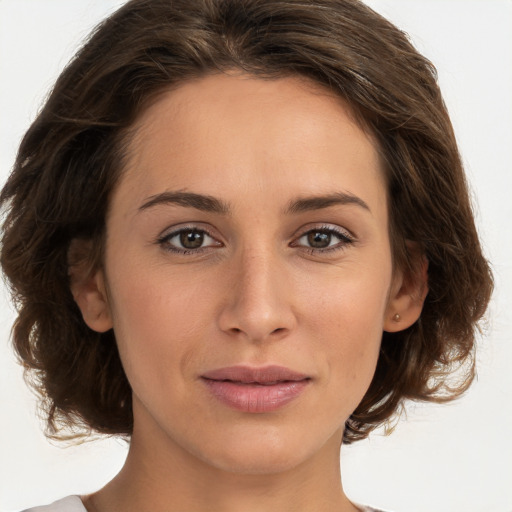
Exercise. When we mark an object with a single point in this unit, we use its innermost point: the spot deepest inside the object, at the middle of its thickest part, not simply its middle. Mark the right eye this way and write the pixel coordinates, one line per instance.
(188, 241)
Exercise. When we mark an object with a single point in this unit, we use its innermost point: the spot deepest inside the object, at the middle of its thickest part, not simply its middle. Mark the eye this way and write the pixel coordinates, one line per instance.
(188, 240)
(324, 239)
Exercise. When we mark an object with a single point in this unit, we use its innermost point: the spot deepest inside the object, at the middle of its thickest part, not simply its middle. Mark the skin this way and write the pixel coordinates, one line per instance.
(254, 294)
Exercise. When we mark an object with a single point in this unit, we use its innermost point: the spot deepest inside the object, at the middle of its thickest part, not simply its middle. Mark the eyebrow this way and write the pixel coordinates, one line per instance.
(201, 202)
(211, 204)
(305, 204)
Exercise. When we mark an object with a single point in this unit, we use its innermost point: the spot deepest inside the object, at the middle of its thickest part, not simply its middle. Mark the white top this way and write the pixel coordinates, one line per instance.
(69, 504)
(74, 504)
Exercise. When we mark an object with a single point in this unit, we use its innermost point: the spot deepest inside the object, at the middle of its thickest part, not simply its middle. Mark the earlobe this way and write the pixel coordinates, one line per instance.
(407, 296)
(88, 288)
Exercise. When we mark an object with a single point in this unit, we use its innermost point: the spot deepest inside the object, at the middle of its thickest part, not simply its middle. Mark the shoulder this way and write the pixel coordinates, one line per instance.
(369, 509)
(69, 504)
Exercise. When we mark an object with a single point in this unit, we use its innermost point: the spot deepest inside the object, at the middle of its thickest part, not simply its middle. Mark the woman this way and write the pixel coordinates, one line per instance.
(239, 233)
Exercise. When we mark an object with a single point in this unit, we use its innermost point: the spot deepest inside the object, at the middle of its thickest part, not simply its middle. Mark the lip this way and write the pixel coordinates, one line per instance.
(255, 390)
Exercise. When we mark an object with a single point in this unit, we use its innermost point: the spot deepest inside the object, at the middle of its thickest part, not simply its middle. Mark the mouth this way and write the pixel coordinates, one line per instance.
(255, 390)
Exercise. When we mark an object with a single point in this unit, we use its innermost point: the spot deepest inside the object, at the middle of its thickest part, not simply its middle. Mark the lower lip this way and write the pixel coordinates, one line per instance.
(256, 397)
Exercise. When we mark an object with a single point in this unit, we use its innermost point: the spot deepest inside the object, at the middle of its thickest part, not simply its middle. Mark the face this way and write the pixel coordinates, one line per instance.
(248, 273)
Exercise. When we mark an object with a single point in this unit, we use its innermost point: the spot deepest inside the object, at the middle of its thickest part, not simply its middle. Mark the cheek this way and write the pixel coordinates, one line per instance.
(346, 323)
(159, 323)
(165, 320)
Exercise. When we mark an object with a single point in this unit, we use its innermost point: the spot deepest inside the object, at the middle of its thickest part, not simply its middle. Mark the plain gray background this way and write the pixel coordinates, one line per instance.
(452, 458)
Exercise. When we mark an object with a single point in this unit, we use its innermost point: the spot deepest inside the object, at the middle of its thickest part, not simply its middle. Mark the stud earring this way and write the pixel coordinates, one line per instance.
(397, 317)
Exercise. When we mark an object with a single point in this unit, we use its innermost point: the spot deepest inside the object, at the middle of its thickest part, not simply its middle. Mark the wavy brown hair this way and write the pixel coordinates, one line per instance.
(71, 157)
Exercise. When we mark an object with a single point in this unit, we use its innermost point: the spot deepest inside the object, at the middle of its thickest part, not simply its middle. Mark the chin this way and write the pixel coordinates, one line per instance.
(268, 453)
(256, 463)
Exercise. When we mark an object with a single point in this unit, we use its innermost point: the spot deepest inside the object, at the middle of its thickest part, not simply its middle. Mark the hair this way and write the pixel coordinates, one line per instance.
(71, 158)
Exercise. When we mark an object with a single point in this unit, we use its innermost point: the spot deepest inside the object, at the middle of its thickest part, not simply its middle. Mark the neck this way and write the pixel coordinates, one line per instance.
(161, 476)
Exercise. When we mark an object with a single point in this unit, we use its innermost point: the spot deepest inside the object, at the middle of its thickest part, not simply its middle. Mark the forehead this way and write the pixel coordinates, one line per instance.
(212, 133)
(296, 100)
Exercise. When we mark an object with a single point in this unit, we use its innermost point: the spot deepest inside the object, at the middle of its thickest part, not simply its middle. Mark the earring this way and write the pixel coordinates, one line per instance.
(397, 317)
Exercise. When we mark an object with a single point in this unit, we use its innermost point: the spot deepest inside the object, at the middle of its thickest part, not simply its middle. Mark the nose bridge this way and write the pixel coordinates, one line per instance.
(259, 302)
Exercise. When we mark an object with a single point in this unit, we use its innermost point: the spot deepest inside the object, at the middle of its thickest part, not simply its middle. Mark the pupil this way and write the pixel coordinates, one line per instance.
(319, 240)
(191, 239)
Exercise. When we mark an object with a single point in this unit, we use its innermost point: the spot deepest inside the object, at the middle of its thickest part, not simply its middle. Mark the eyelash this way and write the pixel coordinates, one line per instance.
(164, 241)
(344, 239)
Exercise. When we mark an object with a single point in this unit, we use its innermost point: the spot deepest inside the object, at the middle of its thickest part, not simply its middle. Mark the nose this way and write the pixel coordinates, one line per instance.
(259, 303)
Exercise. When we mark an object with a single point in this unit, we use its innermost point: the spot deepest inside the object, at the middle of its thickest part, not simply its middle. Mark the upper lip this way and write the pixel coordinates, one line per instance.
(259, 375)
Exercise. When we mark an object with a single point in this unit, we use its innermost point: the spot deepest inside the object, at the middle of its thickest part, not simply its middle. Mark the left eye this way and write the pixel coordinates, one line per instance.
(188, 240)
(319, 239)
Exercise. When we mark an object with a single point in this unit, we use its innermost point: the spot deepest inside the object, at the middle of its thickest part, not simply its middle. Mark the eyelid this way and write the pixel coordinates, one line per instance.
(169, 233)
(345, 236)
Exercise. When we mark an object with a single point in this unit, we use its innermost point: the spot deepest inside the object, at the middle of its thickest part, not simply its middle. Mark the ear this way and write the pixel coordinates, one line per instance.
(408, 292)
(88, 286)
